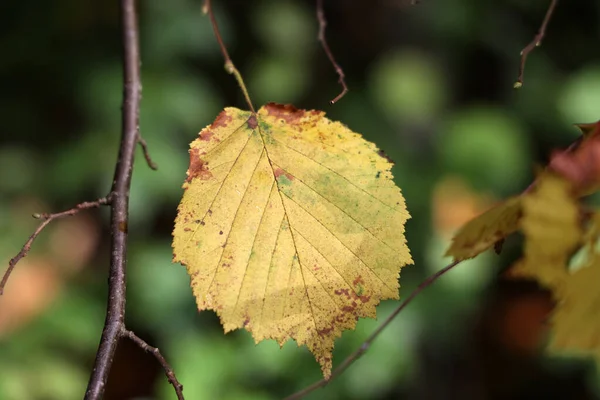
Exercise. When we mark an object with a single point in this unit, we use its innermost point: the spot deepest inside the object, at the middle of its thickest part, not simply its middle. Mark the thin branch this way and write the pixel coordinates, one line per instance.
(159, 357)
(536, 42)
(367, 343)
(46, 219)
(323, 40)
(115, 313)
(229, 66)
(144, 147)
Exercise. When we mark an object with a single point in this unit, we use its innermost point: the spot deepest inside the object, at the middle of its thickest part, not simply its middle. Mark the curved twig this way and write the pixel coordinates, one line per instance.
(536, 42)
(146, 153)
(367, 343)
(159, 357)
(46, 219)
(325, 45)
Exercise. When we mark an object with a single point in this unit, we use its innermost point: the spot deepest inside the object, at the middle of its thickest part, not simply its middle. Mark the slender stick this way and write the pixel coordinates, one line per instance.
(146, 153)
(159, 357)
(367, 343)
(536, 42)
(229, 66)
(115, 314)
(323, 40)
(46, 219)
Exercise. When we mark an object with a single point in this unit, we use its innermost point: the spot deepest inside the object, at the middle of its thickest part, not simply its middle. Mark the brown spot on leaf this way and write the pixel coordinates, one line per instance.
(364, 298)
(222, 120)
(345, 292)
(198, 168)
(207, 135)
(278, 172)
(358, 281)
(286, 112)
(252, 122)
(498, 246)
(325, 331)
(381, 153)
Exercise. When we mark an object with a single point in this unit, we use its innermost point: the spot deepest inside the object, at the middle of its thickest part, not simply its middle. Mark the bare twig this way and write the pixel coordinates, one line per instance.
(367, 343)
(146, 153)
(229, 66)
(46, 219)
(159, 357)
(323, 40)
(536, 42)
(114, 325)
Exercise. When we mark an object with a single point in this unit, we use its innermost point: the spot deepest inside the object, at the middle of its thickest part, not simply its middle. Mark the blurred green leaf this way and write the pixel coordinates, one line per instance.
(204, 364)
(581, 96)
(158, 285)
(277, 79)
(408, 85)
(487, 146)
(287, 28)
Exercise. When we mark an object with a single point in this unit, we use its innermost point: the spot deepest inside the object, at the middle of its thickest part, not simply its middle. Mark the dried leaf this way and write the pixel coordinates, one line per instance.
(290, 226)
(581, 165)
(482, 232)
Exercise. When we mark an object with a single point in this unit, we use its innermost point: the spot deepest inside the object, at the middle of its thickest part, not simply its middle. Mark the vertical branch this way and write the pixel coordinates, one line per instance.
(323, 40)
(119, 207)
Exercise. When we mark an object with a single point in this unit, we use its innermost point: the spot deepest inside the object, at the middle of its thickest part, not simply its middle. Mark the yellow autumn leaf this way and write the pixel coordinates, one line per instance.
(290, 226)
(482, 232)
(575, 322)
(550, 224)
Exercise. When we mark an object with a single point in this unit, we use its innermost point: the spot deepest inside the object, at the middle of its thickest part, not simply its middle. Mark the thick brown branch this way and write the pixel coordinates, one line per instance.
(46, 219)
(159, 357)
(115, 313)
(536, 42)
(323, 40)
(367, 343)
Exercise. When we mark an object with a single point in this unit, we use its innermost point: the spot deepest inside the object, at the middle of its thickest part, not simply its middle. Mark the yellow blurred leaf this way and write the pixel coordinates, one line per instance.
(550, 224)
(575, 323)
(290, 226)
(484, 231)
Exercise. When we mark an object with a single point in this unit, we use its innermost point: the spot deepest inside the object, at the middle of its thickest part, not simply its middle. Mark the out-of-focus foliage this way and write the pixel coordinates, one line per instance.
(430, 84)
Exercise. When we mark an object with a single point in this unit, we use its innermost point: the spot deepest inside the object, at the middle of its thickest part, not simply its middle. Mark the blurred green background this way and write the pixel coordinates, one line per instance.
(431, 85)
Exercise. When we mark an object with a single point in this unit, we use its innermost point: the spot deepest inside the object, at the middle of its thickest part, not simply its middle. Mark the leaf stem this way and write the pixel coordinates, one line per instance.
(229, 65)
